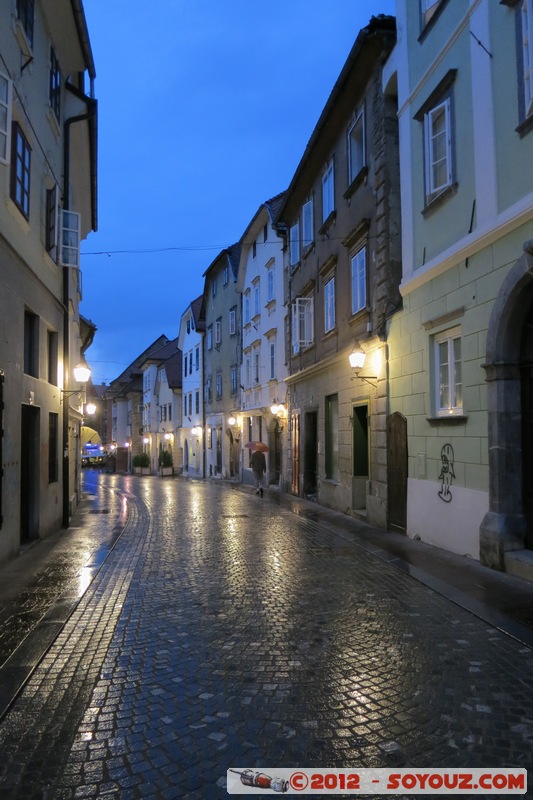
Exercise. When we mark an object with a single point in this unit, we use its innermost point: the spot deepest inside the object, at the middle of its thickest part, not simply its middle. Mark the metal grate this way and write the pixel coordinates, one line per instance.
(522, 615)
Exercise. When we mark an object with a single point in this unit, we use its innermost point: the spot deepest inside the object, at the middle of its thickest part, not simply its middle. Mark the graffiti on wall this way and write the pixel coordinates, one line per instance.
(447, 473)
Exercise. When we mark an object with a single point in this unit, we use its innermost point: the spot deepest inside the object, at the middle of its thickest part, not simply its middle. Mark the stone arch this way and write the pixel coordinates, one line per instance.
(504, 526)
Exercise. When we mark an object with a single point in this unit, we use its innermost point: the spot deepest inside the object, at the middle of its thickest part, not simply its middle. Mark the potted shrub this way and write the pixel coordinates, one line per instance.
(141, 464)
(166, 463)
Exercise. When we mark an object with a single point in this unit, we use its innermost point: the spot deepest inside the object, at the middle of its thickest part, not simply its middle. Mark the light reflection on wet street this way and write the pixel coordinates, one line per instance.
(224, 630)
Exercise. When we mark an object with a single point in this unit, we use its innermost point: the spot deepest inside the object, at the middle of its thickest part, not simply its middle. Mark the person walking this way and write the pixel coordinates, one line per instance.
(258, 464)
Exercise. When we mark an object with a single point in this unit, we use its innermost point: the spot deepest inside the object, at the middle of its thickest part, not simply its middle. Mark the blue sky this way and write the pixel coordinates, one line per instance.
(205, 109)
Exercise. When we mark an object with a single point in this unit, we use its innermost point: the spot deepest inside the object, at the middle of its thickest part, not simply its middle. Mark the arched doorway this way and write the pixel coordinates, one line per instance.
(509, 374)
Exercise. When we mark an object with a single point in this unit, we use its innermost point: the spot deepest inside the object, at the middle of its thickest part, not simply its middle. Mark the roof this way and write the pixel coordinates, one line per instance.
(165, 352)
(173, 368)
(383, 26)
(125, 376)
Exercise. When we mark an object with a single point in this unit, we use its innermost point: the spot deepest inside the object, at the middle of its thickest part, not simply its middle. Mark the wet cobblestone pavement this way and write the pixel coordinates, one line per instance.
(223, 630)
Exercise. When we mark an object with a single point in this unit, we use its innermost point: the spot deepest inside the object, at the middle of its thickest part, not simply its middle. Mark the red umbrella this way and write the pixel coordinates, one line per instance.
(257, 446)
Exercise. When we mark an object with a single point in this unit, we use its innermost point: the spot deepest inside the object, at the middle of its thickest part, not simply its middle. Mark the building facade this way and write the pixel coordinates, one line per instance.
(341, 220)
(460, 351)
(221, 315)
(191, 434)
(263, 410)
(49, 202)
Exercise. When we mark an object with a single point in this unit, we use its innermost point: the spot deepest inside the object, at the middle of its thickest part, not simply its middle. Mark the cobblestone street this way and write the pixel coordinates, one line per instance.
(224, 630)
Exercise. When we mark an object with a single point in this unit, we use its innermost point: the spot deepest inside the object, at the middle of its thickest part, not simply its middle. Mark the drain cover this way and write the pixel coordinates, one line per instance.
(99, 511)
(523, 615)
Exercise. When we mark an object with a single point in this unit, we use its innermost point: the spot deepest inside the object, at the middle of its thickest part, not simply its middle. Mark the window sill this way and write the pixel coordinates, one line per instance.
(526, 126)
(356, 183)
(323, 231)
(431, 21)
(452, 419)
(440, 199)
(308, 250)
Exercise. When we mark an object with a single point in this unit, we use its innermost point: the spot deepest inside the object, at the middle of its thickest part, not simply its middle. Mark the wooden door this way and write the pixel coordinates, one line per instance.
(397, 471)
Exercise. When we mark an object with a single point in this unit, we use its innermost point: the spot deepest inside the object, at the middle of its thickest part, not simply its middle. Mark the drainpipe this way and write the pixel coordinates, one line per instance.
(66, 328)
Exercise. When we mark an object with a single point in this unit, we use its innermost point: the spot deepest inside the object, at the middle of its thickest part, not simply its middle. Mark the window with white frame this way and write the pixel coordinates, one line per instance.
(257, 299)
(185, 367)
(270, 285)
(328, 192)
(248, 371)
(226, 276)
(256, 367)
(209, 334)
(308, 235)
(356, 147)
(294, 244)
(302, 323)
(5, 117)
(448, 373)
(438, 147)
(233, 379)
(272, 360)
(329, 305)
(214, 287)
(70, 238)
(232, 321)
(247, 316)
(219, 385)
(526, 32)
(197, 359)
(358, 263)
(218, 331)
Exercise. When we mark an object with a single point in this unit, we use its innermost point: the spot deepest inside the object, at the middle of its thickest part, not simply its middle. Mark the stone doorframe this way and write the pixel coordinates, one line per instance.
(504, 526)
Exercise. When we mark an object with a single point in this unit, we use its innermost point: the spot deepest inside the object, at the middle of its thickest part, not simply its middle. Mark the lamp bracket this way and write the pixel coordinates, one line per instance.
(368, 378)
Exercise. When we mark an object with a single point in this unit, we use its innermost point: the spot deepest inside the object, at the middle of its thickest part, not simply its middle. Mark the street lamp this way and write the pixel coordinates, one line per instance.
(82, 373)
(357, 360)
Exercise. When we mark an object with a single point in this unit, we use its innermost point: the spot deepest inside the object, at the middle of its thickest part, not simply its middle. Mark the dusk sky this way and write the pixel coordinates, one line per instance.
(205, 109)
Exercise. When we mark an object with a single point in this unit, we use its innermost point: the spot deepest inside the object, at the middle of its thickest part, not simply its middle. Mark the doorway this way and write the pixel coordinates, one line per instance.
(295, 453)
(29, 474)
(360, 450)
(310, 453)
(397, 471)
(526, 385)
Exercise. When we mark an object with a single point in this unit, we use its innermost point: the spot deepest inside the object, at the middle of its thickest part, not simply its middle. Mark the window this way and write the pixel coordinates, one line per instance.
(197, 402)
(190, 363)
(307, 224)
(5, 118)
(31, 344)
(329, 305)
(332, 437)
(70, 238)
(188, 326)
(232, 321)
(356, 147)
(256, 368)
(359, 281)
(302, 323)
(51, 219)
(163, 413)
(53, 448)
(190, 404)
(170, 412)
(233, 380)
(25, 17)
(257, 299)
(208, 391)
(328, 195)
(214, 287)
(197, 359)
(254, 249)
(20, 171)
(272, 361)
(226, 276)
(448, 373)
(265, 233)
(219, 385)
(428, 8)
(218, 331)
(55, 84)
(526, 22)
(185, 367)
(210, 337)
(247, 316)
(437, 128)
(247, 368)
(294, 244)
(270, 285)
(52, 358)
